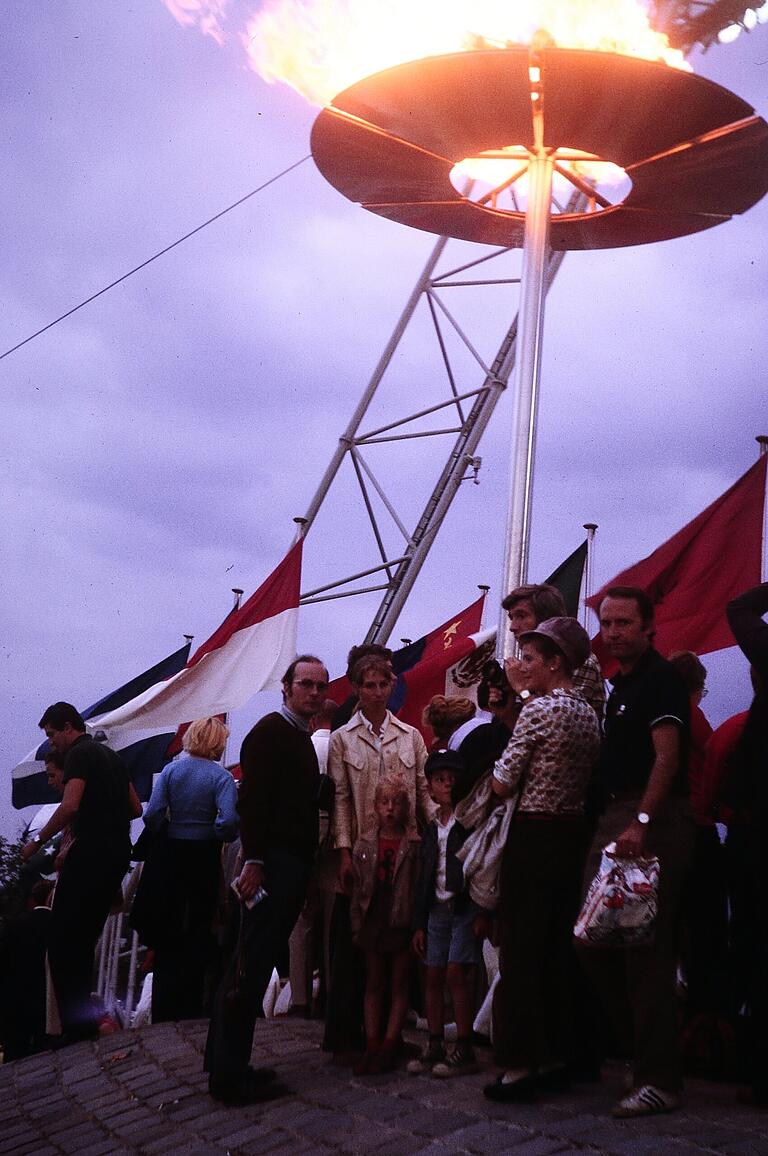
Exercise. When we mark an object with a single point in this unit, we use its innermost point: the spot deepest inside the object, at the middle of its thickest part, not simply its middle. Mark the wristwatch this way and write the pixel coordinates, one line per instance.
(643, 818)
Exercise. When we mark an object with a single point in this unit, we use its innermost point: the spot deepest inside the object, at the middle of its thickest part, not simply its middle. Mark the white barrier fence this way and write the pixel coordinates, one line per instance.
(117, 978)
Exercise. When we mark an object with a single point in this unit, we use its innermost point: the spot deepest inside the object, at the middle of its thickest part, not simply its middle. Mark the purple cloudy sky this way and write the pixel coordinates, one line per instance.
(158, 443)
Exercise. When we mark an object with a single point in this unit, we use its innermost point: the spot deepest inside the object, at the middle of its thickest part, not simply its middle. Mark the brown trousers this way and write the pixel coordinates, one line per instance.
(638, 985)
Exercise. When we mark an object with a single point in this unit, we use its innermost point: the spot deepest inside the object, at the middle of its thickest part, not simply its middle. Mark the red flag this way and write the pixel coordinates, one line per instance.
(694, 575)
(439, 651)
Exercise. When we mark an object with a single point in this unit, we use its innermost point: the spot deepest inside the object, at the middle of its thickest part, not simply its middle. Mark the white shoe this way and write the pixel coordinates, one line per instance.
(646, 1101)
(461, 1062)
(433, 1053)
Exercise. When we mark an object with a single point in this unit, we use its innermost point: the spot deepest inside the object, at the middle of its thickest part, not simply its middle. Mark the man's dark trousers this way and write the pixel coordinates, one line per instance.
(266, 930)
(88, 886)
(638, 985)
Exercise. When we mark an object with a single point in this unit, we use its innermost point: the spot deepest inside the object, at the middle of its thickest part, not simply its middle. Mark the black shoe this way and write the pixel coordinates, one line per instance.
(522, 1091)
(245, 1091)
(257, 1076)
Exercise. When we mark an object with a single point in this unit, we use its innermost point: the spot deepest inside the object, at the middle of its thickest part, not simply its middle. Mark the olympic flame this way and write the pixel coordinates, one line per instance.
(207, 15)
(320, 47)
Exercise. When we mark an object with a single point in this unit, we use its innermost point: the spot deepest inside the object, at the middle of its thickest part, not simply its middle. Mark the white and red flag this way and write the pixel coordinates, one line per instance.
(249, 652)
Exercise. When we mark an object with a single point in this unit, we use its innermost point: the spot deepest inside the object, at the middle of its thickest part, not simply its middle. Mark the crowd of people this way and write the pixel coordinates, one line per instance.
(351, 850)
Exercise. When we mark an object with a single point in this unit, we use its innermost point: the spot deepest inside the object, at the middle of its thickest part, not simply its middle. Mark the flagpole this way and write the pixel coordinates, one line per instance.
(533, 292)
(590, 527)
(484, 591)
(237, 594)
(762, 441)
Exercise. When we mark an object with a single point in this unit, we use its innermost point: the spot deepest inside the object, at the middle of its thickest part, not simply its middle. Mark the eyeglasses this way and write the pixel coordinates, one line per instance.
(310, 684)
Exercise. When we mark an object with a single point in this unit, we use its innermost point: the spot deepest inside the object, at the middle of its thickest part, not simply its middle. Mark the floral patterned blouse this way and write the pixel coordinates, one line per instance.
(553, 748)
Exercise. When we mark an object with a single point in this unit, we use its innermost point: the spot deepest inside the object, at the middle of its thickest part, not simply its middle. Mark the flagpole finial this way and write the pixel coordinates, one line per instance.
(238, 593)
(406, 641)
(762, 441)
(590, 526)
(189, 637)
(481, 586)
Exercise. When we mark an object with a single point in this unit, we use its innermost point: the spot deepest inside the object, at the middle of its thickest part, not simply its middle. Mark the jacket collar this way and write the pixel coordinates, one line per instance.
(393, 728)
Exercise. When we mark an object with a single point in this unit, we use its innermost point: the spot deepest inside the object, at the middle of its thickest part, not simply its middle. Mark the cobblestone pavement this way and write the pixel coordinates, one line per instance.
(144, 1092)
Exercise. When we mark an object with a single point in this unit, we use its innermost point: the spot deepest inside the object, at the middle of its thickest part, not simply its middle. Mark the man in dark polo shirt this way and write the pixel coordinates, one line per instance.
(278, 808)
(98, 804)
(643, 773)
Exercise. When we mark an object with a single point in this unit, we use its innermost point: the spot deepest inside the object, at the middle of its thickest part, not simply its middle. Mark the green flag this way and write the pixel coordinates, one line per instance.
(568, 578)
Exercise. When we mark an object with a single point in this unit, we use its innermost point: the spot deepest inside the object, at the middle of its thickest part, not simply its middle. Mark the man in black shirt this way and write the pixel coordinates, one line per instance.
(643, 773)
(98, 803)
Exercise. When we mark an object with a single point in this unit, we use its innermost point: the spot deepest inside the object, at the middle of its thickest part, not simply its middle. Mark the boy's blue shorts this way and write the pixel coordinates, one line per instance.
(449, 936)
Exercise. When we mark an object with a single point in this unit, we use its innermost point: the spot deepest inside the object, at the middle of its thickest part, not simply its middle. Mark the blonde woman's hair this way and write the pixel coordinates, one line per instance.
(206, 738)
(445, 715)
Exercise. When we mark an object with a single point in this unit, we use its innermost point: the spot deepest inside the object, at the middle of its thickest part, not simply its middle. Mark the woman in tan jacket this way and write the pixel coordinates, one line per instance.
(372, 744)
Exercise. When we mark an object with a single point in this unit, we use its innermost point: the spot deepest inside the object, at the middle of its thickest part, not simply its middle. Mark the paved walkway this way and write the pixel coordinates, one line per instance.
(144, 1092)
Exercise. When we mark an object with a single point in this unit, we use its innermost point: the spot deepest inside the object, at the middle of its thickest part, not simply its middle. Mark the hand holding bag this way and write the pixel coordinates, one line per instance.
(621, 903)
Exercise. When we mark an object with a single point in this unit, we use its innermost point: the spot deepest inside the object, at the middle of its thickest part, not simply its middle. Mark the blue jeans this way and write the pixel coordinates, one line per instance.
(450, 938)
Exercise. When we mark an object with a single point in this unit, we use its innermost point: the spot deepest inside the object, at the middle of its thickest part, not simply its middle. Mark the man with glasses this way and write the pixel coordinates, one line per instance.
(278, 809)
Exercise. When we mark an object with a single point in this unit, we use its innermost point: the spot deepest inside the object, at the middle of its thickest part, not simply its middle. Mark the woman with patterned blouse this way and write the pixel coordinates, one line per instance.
(548, 762)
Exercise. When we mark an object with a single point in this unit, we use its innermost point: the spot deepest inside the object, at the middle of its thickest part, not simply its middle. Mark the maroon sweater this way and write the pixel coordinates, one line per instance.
(277, 800)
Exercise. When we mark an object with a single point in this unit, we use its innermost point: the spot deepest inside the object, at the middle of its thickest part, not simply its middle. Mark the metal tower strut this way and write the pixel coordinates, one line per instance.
(401, 569)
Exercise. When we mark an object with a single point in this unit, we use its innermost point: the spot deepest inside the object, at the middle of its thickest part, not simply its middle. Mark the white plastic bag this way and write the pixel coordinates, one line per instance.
(621, 904)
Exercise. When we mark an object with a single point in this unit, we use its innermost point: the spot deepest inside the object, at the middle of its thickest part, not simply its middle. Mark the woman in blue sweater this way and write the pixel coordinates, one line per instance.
(198, 798)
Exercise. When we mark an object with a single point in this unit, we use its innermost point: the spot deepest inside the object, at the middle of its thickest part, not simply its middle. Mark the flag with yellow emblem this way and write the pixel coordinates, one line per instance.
(422, 667)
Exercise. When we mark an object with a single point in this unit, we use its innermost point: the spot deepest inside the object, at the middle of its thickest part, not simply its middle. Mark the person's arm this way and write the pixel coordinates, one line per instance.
(513, 669)
(134, 803)
(61, 817)
(158, 802)
(255, 806)
(225, 825)
(425, 808)
(424, 890)
(745, 618)
(666, 746)
(517, 754)
(341, 821)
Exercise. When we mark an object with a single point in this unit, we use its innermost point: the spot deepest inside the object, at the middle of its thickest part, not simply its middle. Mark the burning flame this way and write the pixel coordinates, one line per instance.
(321, 47)
(207, 15)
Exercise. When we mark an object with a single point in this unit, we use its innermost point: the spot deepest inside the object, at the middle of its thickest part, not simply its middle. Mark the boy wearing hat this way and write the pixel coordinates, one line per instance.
(448, 923)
